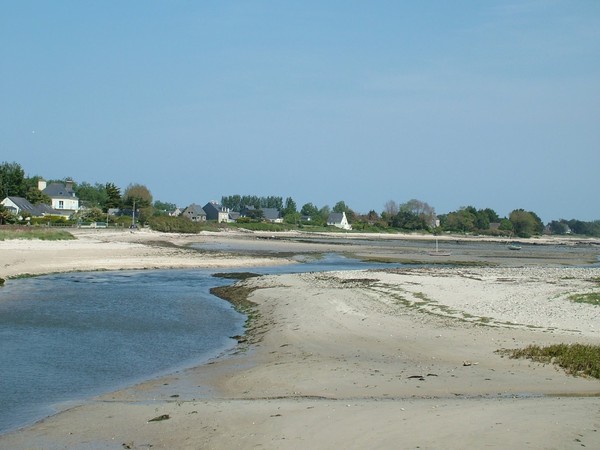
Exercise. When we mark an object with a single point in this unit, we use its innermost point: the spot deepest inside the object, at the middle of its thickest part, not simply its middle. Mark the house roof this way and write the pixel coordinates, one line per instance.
(217, 207)
(271, 213)
(59, 190)
(40, 210)
(335, 218)
(194, 210)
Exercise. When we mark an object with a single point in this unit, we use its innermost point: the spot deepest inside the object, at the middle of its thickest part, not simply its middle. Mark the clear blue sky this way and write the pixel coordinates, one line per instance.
(484, 103)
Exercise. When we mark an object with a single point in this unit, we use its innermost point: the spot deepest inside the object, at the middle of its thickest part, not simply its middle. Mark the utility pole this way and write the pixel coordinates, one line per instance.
(133, 215)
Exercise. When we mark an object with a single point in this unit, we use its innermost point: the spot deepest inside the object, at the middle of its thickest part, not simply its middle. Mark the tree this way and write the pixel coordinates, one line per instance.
(91, 196)
(12, 180)
(408, 220)
(558, 227)
(309, 210)
(290, 207)
(139, 194)
(164, 206)
(463, 220)
(525, 223)
(372, 216)
(340, 207)
(36, 197)
(6, 216)
(391, 208)
(492, 216)
(113, 197)
(139, 198)
(416, 209)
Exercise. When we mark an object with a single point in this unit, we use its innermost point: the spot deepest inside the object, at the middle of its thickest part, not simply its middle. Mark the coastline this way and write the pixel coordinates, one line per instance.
(388, 359)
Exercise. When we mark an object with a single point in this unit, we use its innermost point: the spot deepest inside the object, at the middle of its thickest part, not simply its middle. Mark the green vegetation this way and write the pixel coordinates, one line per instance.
(168, 224)
(592, 298)
(575, 359)
(136, 204)
(34, 233)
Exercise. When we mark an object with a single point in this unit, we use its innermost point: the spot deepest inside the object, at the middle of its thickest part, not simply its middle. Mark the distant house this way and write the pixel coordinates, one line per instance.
(195, 213)
(62, 195)
(177, 212)
(272, 215)
(339, 220)
(268, 214)
(216, 211)
(233, 216)
(25, 209)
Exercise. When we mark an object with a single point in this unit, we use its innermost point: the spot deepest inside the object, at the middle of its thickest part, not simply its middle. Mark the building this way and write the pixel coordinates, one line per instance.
(62, 195)
(339, 220)
(268, 214)
(195, 213)
(24, 209)
(216, 211)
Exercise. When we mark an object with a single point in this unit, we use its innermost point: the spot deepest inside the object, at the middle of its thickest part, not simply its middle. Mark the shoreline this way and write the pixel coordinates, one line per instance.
(352, 359)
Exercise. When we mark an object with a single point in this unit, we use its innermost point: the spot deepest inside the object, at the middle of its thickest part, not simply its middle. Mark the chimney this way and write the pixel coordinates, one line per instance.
(41, 184)
(69, 185)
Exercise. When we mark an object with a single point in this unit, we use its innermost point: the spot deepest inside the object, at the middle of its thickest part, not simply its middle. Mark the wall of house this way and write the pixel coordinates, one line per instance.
(67, 203)
(8, 203)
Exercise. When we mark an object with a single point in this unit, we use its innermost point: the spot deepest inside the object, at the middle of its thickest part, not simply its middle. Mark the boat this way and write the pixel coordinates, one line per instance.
(514, 246)
(437, 251)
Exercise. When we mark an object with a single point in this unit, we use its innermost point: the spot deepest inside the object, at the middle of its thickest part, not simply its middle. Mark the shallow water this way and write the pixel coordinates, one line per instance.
(71, 336)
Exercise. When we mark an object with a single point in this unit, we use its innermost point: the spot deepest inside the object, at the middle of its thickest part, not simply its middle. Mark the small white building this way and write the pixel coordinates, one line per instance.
(339, 220)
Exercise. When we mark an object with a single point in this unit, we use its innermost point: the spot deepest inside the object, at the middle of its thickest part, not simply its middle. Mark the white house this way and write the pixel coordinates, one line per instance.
(62, 195)
(22, 208)
(339, 220)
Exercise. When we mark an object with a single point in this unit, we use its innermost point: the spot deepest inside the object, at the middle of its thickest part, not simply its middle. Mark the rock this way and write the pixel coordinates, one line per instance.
(160, 418)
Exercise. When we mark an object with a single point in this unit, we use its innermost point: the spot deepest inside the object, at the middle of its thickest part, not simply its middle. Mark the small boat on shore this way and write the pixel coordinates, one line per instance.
(514, 246)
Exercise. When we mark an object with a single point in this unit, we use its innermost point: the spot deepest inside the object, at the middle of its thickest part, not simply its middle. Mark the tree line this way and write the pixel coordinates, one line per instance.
(414, 215)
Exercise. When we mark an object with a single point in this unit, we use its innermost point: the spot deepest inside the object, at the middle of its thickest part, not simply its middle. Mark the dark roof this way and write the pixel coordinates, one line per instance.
(214, 206)
(335, 218)
(271, 213)
(193, 210)
(59, 190)
(35, 210)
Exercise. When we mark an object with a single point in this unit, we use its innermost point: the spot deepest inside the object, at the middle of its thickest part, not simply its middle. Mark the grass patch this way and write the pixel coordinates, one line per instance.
(591, 298)
(44, 234)
(575, 359)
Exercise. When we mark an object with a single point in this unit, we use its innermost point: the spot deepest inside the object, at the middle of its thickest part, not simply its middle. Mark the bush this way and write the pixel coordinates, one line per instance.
(168, 224)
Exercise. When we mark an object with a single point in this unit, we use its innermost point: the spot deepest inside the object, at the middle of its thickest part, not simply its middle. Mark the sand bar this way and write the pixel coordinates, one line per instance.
(372, 359)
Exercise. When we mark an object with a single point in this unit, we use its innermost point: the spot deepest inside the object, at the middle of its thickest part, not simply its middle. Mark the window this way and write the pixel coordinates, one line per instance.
(61, 204)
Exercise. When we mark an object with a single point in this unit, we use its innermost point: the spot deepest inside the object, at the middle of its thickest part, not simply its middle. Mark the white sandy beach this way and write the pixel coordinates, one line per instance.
(365, 359)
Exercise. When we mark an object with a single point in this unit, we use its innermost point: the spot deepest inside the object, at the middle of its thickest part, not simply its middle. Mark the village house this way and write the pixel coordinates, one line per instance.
(195, 213)
(24, 209)
(339, 220)
(269, 214)
(62, 195)
(216, 211)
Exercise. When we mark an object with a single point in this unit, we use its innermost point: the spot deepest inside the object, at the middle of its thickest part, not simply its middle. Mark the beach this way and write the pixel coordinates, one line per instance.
(388, 358)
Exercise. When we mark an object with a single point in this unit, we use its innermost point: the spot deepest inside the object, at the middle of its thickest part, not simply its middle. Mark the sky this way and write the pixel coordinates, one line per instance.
(491, 104)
